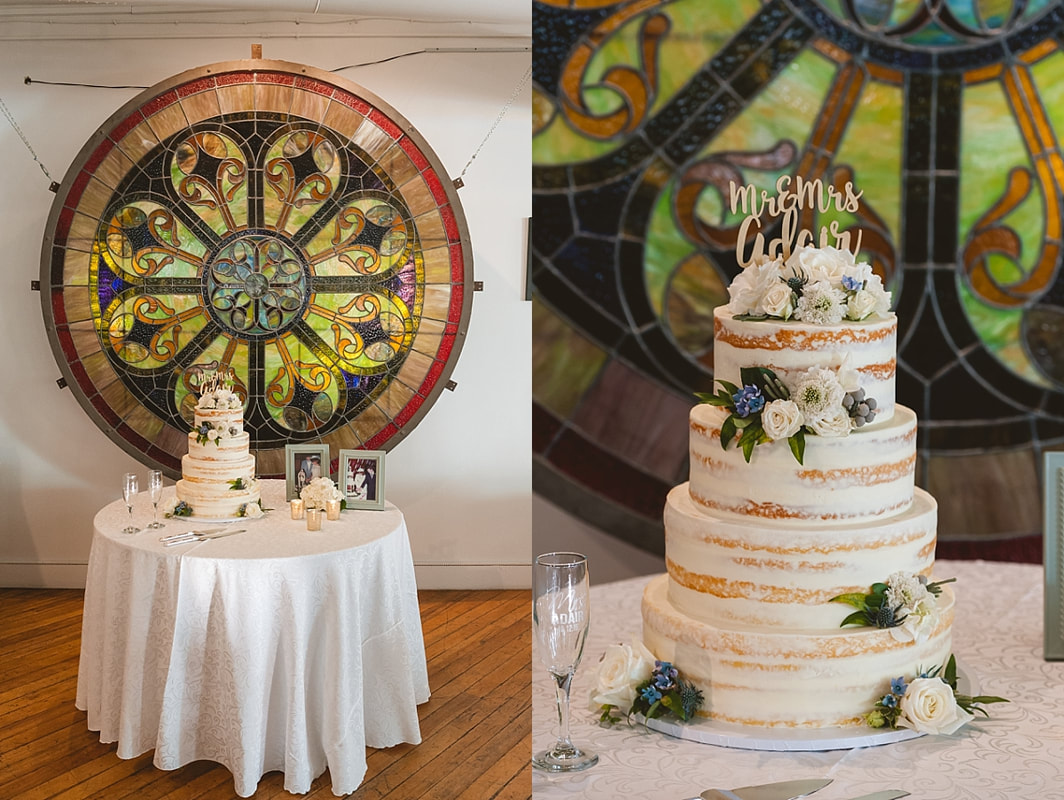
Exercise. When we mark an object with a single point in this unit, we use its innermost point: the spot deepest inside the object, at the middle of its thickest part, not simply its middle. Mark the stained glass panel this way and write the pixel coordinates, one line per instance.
(946, 113)
(273, 219)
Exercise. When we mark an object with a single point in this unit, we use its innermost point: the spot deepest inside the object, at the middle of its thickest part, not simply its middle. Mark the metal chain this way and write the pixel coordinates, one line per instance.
(520, 86)
(10, 118)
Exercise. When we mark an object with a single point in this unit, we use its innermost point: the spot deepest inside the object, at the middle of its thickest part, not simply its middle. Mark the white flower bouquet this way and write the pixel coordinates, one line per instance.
(817, 285)
(319, 491)
(930, 703)
(821, 402)
(628, 678)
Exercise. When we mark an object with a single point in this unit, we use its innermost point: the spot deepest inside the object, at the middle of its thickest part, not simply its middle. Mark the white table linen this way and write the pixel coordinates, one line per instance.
(273, 649)
(1018, 754)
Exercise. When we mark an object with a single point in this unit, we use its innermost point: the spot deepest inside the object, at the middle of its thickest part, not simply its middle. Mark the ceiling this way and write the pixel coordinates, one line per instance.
(491, 12)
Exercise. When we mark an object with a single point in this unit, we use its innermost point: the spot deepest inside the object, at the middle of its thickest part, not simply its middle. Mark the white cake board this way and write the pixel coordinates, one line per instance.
(744, 737)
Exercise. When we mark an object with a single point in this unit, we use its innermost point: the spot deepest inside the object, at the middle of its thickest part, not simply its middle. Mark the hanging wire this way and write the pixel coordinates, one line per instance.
(11, 118)
(459, 182)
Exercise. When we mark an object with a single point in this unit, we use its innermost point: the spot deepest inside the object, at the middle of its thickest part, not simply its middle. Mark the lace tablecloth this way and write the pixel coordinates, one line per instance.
(273, 649)
(1018, 754)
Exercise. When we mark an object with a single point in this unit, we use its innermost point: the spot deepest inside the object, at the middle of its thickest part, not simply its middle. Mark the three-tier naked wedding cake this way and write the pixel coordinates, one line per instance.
(218, 473)
(801, 490)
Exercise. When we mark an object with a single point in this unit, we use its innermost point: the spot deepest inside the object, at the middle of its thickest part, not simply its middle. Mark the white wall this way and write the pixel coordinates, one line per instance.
(463, 477)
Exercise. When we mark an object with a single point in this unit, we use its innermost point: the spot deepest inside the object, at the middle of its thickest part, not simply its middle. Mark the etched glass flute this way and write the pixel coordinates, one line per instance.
(155, 492)
(560, 617)
(129, 491)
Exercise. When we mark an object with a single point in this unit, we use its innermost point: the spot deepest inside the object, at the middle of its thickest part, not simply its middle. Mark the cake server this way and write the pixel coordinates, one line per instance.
(195, 536)
(787, 790)
(186, 534)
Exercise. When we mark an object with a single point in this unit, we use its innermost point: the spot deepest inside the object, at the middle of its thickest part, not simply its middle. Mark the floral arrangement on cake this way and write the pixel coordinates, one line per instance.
(629, 678)
(906, 604)
(821, 402)
(816, 285)
(929, 703)
(251, 510)
(215, 432)
(319, 491)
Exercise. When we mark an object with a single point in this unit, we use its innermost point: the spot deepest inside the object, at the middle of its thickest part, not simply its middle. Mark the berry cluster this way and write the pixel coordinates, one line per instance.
(862, 409)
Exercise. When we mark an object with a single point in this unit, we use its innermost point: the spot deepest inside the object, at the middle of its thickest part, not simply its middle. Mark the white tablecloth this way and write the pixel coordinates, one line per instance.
(1018, 754)
(274, 649)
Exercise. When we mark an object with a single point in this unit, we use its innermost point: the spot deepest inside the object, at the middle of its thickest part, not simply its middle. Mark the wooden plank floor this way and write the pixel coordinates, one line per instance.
(475, 729)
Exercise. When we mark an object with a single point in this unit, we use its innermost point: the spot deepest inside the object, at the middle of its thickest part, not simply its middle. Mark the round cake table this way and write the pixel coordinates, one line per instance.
(272, 649)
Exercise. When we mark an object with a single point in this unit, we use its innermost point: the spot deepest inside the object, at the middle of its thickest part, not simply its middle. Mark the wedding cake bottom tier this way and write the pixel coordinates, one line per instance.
(772, 678)
(216, 500)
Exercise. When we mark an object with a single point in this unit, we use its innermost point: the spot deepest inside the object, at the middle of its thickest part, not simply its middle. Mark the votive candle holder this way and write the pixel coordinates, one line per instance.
(313, 519)
(332, 509)
(298, 507)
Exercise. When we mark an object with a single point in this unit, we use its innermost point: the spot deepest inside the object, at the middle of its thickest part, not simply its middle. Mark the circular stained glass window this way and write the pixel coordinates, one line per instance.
(268, 218)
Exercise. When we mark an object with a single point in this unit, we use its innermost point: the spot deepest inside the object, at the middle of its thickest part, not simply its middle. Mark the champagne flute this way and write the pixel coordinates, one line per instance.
(129, 491)
(560, 617)
(155, 492)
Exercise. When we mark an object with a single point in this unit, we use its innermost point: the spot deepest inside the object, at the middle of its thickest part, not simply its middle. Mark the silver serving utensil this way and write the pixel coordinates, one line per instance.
(786, 790)
(885, 794)
(194, 536)
(173, 536)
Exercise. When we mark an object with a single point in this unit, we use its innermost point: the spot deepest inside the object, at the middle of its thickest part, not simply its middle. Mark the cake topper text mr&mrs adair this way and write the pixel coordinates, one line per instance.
(786, 205)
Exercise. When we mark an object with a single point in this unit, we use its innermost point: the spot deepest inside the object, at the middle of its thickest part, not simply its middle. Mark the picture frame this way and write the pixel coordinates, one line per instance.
(360, 476)
(1053, 557)
(303, 463)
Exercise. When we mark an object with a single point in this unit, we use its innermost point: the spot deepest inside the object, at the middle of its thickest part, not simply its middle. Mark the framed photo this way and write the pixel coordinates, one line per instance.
(360, 477)
(1053, 558)
(302, 464)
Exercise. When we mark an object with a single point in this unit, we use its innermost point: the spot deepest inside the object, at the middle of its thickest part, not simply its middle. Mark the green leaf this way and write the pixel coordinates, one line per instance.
(752, 376)
(950, 675)
(856, 618)
(730, 388)
(879, 588)
(797, 443)
(715, 400)
(855, 599)
(727, 432)
(750, 317)
(748, 447)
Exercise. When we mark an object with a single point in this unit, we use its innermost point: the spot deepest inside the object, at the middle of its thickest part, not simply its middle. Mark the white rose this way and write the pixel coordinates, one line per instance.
(212, 434)
(821, 263)
(831, 425)
(918, 625)
(781, 419)
(750, 285)
(778, 301)
(861, 304)
(622, 668)
(930, 707)
(253, 511)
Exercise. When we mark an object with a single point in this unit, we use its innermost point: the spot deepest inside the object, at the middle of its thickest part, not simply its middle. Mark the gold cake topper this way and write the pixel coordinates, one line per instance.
(213, 380)
(786, 204)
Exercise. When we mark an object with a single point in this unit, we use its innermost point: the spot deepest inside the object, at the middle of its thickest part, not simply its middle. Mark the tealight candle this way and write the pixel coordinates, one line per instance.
(297, 508)
(332, 509)
(313, 519)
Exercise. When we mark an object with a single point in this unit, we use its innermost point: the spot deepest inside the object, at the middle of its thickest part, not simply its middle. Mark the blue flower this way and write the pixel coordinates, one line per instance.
(748, 401)
(898, 686)
(651, 695)
(852, 284)
(889, 701)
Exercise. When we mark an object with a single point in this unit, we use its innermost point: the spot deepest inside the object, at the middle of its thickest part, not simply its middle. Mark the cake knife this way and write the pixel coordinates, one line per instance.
(786, 790)
(886, 794)
(194, 536)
